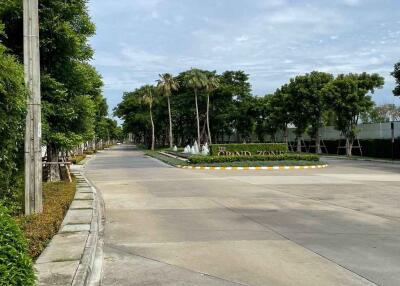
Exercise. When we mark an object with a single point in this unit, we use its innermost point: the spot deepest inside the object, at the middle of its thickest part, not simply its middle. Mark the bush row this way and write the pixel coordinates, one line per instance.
(229, 159)
(16, 267)
(253, 148)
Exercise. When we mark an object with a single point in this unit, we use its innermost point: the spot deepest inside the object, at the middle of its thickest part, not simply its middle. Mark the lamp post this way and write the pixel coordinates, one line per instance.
(33, 132)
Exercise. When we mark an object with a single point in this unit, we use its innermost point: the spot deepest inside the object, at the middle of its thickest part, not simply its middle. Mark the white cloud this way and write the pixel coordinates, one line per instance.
(271, 40)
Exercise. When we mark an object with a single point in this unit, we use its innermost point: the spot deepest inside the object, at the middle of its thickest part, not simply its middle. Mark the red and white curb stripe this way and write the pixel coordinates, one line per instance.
(273, 168)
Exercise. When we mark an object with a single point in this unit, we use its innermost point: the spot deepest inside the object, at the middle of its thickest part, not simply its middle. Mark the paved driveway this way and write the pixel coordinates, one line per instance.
(167, 226)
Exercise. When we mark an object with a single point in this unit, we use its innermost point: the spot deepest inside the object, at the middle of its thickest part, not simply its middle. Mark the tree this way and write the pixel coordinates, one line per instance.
(279, 111)
(381, 114)
(314, 100)
(148, 99)
(348, 96)
(212, 84)
(196, 80)
(12, 121)
(71, 88)
(306, 104)
(396, 75)
(166, 85)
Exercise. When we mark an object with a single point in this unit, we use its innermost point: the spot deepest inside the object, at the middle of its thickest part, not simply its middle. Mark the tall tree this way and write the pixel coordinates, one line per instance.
(166, 85)
(396, 75)
(279, 110)
(196, 80)
(348, 96)
(148, 99)
(212, 84)
(69, 84)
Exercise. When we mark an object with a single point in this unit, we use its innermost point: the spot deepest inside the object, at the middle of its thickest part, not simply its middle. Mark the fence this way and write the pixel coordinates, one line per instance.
(365, 132)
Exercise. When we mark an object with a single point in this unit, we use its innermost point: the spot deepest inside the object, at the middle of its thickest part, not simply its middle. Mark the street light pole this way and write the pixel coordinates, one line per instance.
(33, 132)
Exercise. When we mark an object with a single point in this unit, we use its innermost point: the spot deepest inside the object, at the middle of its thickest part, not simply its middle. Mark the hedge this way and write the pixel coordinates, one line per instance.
(253, 148)
(378, 148)
(16, 267)
(229, 159)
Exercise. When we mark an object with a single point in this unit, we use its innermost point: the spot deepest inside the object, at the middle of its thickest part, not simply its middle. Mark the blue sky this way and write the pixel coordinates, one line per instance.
(271, 40)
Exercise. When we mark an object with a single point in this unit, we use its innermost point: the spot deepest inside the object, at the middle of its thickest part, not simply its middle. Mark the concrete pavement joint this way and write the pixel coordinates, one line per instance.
(119, 249)
(289, 239)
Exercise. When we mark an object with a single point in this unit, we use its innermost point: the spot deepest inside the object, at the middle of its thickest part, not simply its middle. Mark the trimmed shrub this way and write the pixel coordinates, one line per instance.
(16, 267)
(253, 148)
(229, 159)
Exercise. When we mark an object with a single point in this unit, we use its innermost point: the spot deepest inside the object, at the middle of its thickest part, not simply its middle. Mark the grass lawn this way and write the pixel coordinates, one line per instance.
(168, 160)
(39, 229)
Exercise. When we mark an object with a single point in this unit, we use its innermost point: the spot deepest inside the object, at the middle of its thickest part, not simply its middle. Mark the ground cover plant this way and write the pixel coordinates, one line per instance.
(166, 159)
(77, 159)
(40, 228)
(16, 267)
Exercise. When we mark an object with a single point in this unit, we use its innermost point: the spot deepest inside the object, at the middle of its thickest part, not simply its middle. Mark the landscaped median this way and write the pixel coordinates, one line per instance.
(241, 157)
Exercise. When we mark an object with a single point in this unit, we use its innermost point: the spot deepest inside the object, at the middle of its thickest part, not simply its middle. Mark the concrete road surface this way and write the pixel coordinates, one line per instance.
(168, 226)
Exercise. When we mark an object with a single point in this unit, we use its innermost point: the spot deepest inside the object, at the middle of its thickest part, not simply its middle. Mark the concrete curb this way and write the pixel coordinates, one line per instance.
(70, 257)
(271, 168)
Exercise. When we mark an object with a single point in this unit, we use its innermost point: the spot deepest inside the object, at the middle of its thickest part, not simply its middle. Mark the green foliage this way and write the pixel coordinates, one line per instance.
(16, 267)
(73, 106)
(39, 229)
(12, 122)
(381, 114)
(253, 148)
(167, 84)
(347, 96)
(396, 75)
(230, 159)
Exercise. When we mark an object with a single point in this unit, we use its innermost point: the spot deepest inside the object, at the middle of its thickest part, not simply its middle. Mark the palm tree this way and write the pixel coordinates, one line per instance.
(211, 85)
(196, 79)
(148, 98)
(166, 85)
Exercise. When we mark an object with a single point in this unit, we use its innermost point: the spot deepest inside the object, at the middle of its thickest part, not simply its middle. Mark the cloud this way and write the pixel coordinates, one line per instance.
(271, 40)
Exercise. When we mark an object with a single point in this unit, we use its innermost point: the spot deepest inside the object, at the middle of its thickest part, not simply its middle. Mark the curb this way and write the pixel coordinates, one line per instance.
(70, 257)
(271, 168)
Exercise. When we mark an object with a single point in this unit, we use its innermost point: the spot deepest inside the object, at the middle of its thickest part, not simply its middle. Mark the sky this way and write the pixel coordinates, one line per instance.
(271, 40)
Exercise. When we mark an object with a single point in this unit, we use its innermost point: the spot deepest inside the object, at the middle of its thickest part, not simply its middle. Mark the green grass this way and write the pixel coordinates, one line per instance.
(165, 159)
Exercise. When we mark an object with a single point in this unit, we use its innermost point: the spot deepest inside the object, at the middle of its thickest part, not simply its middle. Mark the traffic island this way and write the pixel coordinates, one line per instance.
(267, 157)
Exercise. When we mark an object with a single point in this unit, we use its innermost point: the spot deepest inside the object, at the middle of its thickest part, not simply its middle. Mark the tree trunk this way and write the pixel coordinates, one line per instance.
(152, 130)
(298, 144)
(286, 135)
(171, 138)
(53, 174)
(349, 147)
(208, 120)
(318, 142)
(198, 118)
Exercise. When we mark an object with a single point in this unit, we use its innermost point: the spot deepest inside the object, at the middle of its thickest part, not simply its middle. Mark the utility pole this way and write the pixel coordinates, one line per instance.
(33, 132)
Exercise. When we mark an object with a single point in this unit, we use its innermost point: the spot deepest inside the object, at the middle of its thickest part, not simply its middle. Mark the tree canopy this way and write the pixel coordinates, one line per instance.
(73, 107)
